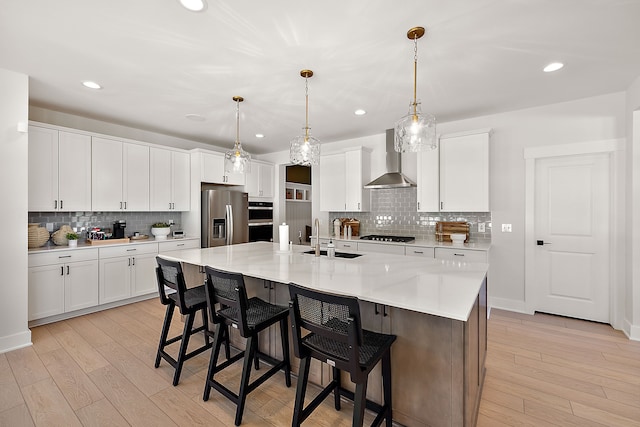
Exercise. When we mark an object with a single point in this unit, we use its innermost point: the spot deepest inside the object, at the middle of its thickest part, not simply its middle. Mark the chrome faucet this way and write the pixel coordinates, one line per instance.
(316, 225)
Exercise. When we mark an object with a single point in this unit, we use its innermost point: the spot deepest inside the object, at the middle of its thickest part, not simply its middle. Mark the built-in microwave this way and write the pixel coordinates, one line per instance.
(261, 221)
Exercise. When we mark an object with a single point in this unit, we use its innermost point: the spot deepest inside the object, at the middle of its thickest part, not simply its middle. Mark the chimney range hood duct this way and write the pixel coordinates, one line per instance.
(394, 177)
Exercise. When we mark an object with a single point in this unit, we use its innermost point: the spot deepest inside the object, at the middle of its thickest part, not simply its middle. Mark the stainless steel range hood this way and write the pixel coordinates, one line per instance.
(394, 177)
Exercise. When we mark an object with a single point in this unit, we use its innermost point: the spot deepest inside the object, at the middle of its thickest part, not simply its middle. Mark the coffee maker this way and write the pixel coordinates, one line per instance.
(118, 229)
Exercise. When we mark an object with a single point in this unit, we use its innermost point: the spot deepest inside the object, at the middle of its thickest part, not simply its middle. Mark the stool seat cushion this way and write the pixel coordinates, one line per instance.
(258, 312)
(373, 345)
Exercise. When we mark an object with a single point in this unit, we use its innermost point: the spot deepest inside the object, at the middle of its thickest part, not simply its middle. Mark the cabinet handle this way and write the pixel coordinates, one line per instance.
(55, 204)
(358, 205)
(418, 205)
(458, 254)
(180, 244)
(67, 270)
(131, 250)
(129, 260)
(125, 205)
(134, 260)
(418, 252)
(120, 205)
(375, 308)
(384, 311)
(62, 270)
(65, 256)
(60, 204)
(441, 205)
(346, 246)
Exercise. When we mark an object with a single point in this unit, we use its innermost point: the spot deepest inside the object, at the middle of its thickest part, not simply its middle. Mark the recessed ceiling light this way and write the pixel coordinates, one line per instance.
(259, 135)
(91, 85)
(554, 66)
(359, 112)
(194, 5)
(195, 117)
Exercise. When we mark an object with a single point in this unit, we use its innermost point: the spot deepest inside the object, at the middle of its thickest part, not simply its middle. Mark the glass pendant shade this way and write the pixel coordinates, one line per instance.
(415, 131)
(237, 160)
(305, 149)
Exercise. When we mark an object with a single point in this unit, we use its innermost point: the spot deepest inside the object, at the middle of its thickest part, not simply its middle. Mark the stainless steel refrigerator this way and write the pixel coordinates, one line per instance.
(225, 218)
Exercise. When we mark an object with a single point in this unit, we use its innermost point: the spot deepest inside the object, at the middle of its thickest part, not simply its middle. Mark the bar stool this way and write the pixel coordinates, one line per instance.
(336, 337)
(189, 302)
(249, 316)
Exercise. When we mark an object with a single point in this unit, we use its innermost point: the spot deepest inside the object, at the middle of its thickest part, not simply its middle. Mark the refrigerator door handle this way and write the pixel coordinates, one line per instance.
(231, 225)
(226, 224)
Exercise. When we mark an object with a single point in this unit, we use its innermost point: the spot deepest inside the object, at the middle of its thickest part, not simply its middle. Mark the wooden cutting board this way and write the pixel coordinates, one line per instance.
(107, 242)
(444, 230)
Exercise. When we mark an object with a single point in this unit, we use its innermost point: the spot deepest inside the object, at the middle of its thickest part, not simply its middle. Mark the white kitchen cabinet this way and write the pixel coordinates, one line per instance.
(457, 254)
(177, 245)
(464, 172)
(59, 170)
(127, 271)
(342, 177)
(428, 181)
(62, 282)
(212, 170)
(384, 248)
(259, 182)
(170, 180)
(120, 178)
(421, 251)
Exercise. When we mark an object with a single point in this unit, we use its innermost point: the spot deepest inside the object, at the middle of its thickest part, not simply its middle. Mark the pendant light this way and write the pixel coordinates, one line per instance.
(415, 131)
(305, 149)
(237, 160)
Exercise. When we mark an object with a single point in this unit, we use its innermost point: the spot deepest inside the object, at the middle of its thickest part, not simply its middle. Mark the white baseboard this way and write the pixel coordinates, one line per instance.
(507, 304)
(15, 341)
(631, 331)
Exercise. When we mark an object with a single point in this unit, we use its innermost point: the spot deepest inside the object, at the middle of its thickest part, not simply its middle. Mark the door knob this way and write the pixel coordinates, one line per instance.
(542, 242)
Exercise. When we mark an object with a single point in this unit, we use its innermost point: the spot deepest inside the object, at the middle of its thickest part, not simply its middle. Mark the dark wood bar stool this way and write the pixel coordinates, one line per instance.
(336, 337)
(229, 306)
(189, 302)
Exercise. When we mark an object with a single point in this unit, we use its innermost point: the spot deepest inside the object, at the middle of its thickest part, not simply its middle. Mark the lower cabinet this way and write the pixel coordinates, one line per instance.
(127, 271)
(62, 282)
(466, 255)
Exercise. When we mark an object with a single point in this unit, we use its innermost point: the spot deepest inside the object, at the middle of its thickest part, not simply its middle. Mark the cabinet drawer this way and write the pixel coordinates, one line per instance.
(348, 246)
(460, 255)
(130, 249)
(176, 245)
(381, 248)
(62, 256)
(419, 251)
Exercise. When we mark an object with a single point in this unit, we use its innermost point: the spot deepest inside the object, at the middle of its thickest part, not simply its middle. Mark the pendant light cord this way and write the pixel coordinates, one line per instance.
(415, 74)
(237, 123)
(306, 109)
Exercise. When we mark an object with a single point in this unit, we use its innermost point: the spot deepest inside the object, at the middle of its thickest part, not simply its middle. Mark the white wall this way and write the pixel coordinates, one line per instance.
(14, 104)
(632, 294)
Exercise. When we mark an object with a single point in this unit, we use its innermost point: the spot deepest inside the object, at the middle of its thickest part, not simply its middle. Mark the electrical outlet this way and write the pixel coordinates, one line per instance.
(170, 222)
(506, 228)
(481, 228)
(50, 227)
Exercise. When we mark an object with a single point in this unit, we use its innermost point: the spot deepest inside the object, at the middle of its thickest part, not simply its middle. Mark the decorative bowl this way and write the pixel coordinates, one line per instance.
(160, 233)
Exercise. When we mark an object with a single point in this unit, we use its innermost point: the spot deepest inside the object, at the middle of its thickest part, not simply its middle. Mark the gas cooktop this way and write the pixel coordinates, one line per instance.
(381, 238)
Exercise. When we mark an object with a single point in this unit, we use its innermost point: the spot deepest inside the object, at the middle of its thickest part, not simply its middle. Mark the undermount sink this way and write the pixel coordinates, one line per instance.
(338, 254)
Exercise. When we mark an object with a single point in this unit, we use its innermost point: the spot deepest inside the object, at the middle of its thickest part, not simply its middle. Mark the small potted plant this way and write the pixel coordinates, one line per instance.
(73, 239)
(160, 230)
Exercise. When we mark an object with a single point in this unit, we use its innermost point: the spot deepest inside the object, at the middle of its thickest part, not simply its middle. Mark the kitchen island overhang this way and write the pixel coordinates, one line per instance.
(437, 308)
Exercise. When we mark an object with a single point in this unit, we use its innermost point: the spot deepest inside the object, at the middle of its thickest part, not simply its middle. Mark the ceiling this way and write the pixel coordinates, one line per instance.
(158, 62)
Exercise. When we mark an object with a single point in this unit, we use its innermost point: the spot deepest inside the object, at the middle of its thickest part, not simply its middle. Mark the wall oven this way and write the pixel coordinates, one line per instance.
(261, 221)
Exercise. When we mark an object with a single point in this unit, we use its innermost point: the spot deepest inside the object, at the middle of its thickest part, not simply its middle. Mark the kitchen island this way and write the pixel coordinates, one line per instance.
(437, 309)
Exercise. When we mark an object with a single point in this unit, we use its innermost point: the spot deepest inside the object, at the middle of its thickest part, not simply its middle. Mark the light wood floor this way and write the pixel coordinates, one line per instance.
(98, 370)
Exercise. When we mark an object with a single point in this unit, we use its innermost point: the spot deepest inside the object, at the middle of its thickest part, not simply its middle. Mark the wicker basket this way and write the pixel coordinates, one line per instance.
(60, 237)
(38, 236)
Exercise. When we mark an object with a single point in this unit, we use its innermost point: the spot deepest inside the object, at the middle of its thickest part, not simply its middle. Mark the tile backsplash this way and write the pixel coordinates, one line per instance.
(393, 212)
(81, 221)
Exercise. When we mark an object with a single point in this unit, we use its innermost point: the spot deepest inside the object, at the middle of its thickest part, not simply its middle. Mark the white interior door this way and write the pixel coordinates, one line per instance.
(572, 215)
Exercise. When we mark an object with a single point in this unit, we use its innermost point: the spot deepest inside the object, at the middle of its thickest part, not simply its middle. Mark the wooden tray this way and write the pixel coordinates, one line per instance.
(107, 242)
(140, 237)
(444, 230)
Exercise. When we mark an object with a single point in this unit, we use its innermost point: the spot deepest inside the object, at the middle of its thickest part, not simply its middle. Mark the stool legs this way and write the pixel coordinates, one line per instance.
(386, 385)
(165, 332)
(249, 357)
(359, 403)
(284, 338)
(301, 389)
(184, 343)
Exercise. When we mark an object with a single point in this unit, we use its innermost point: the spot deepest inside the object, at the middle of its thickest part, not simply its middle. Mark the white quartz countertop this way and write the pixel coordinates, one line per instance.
(479, 245)
(82, 244)
(439, 287)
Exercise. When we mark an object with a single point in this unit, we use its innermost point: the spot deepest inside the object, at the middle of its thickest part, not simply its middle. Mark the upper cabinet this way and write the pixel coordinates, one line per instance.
(260, 180)
(120, 176)
(169, 180)
(59, 170)
(464, 172)
(455, 178)
(212, 170)
(342, 177)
